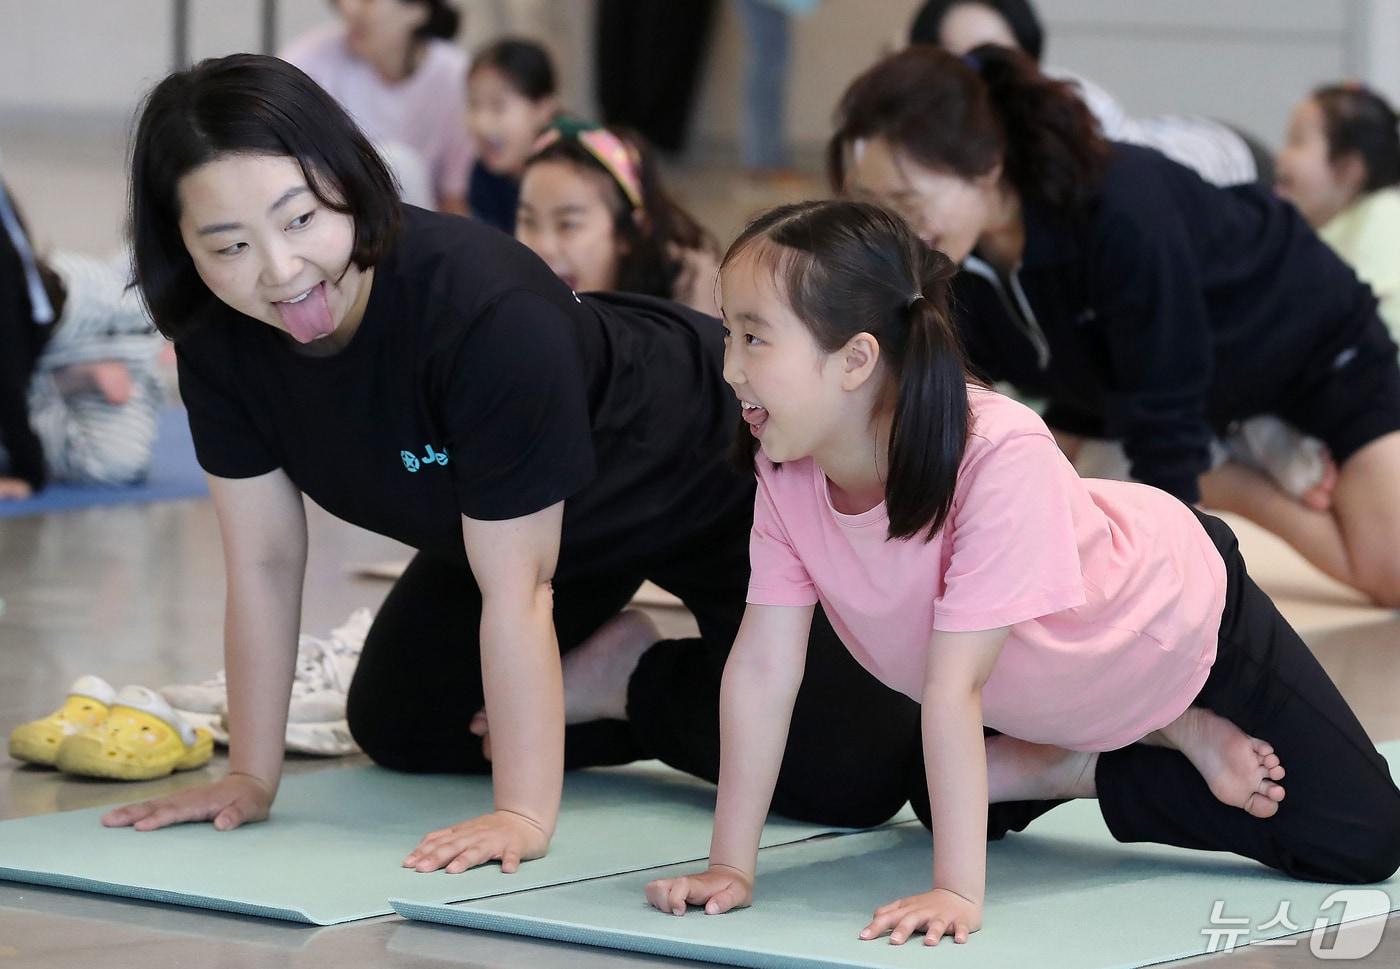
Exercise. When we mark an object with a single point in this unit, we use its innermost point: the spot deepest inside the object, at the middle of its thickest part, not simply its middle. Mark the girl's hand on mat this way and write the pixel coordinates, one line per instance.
(719, 889)
(234, 800)
(504, 835)
(14, 489)
(939, 913)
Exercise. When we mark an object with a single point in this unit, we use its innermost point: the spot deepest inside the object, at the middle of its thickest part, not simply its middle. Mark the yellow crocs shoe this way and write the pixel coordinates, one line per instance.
(141, 739)
(86, 705)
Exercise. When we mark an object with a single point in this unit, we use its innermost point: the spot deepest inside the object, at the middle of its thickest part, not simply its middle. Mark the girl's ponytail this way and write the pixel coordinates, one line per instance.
(929, 431)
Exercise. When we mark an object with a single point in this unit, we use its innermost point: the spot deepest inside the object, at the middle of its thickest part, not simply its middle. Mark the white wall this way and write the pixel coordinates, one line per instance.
(1380, 54)
(95, 58)
(1244, 61)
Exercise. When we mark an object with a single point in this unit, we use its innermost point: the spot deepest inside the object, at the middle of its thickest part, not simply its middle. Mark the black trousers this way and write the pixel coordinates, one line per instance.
(418, 684)
(1340, 818)
(649, 56)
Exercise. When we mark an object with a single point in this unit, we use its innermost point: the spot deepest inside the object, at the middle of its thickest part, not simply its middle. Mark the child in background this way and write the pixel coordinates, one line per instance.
(593, 207)
(394, 66)
(1341, 167)
(1107, 630)
(79, 391)
(511, 98)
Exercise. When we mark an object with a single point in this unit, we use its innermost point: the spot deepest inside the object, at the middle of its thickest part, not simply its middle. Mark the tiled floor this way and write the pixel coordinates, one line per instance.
(136, 595)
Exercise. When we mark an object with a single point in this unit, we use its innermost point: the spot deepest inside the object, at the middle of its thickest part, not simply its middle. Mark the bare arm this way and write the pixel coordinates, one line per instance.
(761, 680)
(513, 562)
(955, 760)
(955, 756)
(263, 526)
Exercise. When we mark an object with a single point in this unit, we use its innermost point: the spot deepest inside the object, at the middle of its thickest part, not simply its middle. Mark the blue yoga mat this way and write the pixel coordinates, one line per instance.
(332, 850)
(175, 475)
(1061, 895)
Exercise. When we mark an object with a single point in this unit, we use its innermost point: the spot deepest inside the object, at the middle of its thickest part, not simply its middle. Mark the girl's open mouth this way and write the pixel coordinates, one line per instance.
(755, 415)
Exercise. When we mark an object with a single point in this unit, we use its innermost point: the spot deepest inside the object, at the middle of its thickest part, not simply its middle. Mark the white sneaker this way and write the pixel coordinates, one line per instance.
(201, 704)
(316, 716)
(1266, 443)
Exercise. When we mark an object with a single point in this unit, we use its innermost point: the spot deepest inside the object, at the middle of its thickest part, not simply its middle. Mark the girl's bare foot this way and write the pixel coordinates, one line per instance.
(596, 672)
(1241, 771)
(1018, 770)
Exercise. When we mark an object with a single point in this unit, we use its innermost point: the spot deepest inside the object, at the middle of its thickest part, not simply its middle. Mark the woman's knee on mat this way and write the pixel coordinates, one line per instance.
(409, 754)
(848, 800)
(1379, 846)
(1358, 844)
(403, 740)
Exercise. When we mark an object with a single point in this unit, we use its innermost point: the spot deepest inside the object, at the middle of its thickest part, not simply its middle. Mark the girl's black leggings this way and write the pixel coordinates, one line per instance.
(1340, 818)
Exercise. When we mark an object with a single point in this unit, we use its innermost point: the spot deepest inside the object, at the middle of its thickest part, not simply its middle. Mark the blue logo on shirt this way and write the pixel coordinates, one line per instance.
(413, 461)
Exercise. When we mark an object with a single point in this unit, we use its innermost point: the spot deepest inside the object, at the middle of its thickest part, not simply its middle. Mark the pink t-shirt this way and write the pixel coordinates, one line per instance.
(1112, 590)
(427, 111)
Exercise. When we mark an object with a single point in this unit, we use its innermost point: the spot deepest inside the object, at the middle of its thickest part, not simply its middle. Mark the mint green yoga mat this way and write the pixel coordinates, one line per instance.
(1061, 895)
(333, 847)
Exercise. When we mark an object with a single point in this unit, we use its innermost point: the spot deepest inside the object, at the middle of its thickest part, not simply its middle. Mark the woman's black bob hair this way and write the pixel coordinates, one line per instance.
(248, 104)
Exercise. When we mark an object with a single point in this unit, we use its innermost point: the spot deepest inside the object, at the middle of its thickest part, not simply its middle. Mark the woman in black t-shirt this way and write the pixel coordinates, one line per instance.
(429, 378)
(1145, 305)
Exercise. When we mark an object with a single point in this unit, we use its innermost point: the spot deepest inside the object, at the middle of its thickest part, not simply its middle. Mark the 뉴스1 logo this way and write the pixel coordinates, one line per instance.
(413, 461)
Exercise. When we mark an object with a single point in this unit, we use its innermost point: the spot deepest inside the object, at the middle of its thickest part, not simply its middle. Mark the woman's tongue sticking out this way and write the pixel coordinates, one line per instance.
(310, 317)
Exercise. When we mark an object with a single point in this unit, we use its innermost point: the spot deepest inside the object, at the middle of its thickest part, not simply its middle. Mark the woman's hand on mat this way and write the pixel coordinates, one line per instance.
(234, 800)
(719, 889)
(14, 489)
(502, 835)
(938, 913)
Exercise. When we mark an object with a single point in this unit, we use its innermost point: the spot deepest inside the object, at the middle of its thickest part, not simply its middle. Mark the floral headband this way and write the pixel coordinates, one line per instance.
(615, 155)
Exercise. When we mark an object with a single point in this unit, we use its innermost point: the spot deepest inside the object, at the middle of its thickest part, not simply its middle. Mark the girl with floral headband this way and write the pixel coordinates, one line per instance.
(593, 207)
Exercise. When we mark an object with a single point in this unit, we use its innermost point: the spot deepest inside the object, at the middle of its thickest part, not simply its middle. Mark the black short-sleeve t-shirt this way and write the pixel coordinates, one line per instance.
(477, 384)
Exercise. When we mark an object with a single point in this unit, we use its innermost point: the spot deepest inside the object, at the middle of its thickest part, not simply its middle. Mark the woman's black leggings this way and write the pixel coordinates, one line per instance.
(418, 684)
(1340, 818)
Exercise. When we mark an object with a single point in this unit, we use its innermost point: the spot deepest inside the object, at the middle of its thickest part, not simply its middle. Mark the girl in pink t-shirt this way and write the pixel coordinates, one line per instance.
(1106, 632)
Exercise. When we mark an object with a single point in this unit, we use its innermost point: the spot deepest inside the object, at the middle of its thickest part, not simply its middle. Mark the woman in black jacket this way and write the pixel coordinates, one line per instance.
(1145, 305)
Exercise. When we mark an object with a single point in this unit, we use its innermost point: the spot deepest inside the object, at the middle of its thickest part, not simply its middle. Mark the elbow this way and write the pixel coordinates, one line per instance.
(527, 599)
(280, 565)
(757, 666)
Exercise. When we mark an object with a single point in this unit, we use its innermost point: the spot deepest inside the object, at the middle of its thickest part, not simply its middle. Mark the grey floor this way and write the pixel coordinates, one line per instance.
(135, 594)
